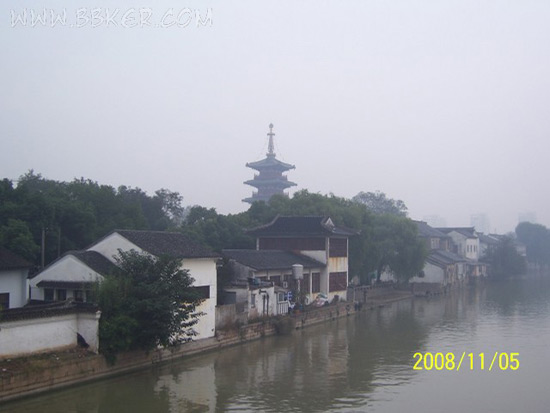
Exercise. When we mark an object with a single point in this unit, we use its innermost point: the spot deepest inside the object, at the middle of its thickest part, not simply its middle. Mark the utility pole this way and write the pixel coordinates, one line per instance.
(43, 247)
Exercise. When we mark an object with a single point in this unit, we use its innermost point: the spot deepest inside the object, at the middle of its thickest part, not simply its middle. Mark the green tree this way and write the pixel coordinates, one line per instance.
(505, 260)
(385, 241)
(378, 203)
(536, 238)
(74, 214)
(147, 303)
(17, 237)
(393, 245)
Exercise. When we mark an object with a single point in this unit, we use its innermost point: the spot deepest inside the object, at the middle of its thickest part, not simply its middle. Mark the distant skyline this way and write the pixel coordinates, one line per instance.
(440, 104)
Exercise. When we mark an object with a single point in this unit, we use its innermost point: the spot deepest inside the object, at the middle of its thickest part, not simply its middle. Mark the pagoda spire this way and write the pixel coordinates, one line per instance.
(271, 147)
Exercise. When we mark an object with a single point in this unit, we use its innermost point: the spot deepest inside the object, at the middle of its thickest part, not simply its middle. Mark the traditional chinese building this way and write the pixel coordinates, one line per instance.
(270, 179)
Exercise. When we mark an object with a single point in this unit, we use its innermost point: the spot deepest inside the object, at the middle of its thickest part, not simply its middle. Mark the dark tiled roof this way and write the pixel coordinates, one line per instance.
(47, 310)
(95, 261)
(424, 230)
(271, 259)
(10, 261)
(440, 257)
(92, 259)
(489, 240)
(172, 244)
(466, 231)
(315, 226)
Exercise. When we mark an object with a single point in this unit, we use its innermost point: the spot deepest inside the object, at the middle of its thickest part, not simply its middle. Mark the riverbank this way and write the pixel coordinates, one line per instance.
(26, 376)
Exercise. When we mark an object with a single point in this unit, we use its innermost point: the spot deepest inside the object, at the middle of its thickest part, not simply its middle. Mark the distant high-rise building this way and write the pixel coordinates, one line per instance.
(435, 221)
(480, 222)
(527, 217)
(270, 180)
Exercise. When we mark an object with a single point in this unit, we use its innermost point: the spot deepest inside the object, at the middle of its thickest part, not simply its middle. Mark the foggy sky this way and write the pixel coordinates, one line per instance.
(441, 104)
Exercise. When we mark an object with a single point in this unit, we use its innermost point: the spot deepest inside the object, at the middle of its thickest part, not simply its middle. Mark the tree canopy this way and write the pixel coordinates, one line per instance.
(385, 241)
(536, 238)
(505, 260)
(148, 302)
(378, 203)
(74, 214)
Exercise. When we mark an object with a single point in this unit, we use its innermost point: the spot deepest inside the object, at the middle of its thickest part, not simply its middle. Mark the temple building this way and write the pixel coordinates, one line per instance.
(270, 179)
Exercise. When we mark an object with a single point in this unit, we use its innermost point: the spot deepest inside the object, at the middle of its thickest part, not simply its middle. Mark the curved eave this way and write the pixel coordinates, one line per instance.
(269, 183)
(270, 163)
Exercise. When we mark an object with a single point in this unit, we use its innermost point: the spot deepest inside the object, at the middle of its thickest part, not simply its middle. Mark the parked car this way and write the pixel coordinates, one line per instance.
(321, 300)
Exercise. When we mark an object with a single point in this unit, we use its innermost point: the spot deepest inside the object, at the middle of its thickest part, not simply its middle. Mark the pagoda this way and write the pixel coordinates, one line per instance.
(270, 179)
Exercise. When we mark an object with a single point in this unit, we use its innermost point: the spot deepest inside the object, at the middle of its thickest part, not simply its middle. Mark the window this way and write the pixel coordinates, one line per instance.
(252, 300)
(291, 244)
(338, 247)
(4, 301)
(203, 291)
(61, 295)
(316, 282)
(306, 286)
(78, 295)
(338, 281)
(48, 294)
(275, 279)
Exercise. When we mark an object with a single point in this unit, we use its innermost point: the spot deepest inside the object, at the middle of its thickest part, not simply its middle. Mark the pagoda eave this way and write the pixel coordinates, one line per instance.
(270, 164)
(271, 184)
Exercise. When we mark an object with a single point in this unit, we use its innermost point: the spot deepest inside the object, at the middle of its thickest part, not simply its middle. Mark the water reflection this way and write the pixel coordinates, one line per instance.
(358, 363)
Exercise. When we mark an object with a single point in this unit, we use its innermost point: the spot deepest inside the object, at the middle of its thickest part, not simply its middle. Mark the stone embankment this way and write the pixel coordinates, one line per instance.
(35, 374)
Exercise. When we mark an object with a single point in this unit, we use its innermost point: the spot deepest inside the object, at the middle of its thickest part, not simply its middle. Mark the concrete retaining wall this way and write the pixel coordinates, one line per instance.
(57, 374)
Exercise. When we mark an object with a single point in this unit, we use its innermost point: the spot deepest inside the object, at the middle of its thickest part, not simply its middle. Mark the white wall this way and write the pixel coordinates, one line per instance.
(467, 247)
(256, 306)
(321, 256)
(432, 274)
(14, 282)
(203, 270)
(45, 334)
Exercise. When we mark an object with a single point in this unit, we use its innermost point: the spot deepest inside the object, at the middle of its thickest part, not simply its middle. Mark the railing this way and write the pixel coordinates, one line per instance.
(282, 307)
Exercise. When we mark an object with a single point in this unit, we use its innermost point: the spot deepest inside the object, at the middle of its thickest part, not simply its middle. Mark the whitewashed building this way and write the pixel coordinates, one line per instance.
(72, 275)
(269, 274)
(13, 280)
(466, 241)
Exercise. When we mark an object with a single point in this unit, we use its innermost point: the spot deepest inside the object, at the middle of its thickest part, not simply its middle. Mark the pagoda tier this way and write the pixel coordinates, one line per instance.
(270, 180)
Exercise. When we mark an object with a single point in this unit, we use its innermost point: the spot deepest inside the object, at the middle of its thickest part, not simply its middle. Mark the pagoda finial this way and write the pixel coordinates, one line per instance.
(270, 148)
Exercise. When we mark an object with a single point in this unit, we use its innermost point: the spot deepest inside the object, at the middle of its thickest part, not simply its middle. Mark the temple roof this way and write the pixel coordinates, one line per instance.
(302, 226)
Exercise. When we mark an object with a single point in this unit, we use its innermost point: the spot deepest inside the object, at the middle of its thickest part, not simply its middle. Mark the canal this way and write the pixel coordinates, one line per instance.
(361, 363)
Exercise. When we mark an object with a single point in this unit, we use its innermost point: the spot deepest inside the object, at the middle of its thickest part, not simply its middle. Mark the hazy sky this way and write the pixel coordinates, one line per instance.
(443, 104)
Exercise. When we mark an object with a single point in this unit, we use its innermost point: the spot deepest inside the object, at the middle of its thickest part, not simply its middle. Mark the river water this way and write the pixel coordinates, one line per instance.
(361, 363)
